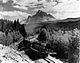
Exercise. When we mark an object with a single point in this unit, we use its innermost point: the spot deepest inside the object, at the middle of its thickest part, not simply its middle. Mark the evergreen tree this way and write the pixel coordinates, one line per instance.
(22, 30)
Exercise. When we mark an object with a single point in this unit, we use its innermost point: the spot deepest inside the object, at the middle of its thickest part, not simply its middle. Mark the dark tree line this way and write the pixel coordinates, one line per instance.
(10, 26)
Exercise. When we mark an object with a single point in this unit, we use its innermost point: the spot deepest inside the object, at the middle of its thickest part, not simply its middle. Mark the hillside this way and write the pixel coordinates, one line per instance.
(64, 34)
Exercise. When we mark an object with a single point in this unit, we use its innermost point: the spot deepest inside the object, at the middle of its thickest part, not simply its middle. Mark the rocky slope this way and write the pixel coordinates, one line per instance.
(9, 55)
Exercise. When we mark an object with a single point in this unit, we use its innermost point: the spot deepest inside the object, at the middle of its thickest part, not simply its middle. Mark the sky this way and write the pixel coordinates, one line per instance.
(60, 9)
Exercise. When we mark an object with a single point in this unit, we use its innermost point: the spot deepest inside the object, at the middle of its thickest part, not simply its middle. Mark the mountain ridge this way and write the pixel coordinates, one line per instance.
(40, 16)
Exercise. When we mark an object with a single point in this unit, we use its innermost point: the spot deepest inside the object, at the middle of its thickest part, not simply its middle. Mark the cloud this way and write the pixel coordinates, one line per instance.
(24, 2)
(4, 1)
(60, 10)
(64, 9)
(21, 7)
(12, 15)
(68, 9)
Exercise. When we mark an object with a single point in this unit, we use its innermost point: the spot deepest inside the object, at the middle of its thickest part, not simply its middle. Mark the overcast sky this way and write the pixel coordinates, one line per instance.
(13, 9)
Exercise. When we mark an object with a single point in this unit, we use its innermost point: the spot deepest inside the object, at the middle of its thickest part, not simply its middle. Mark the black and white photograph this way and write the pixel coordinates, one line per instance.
(39, 31)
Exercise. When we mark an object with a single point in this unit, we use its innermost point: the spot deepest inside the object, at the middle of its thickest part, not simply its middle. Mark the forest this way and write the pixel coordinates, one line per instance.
(11, 31)
(60, 37)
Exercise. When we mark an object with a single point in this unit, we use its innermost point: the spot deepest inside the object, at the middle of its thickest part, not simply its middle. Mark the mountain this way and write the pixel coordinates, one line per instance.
(28, 19)
(40, 16)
